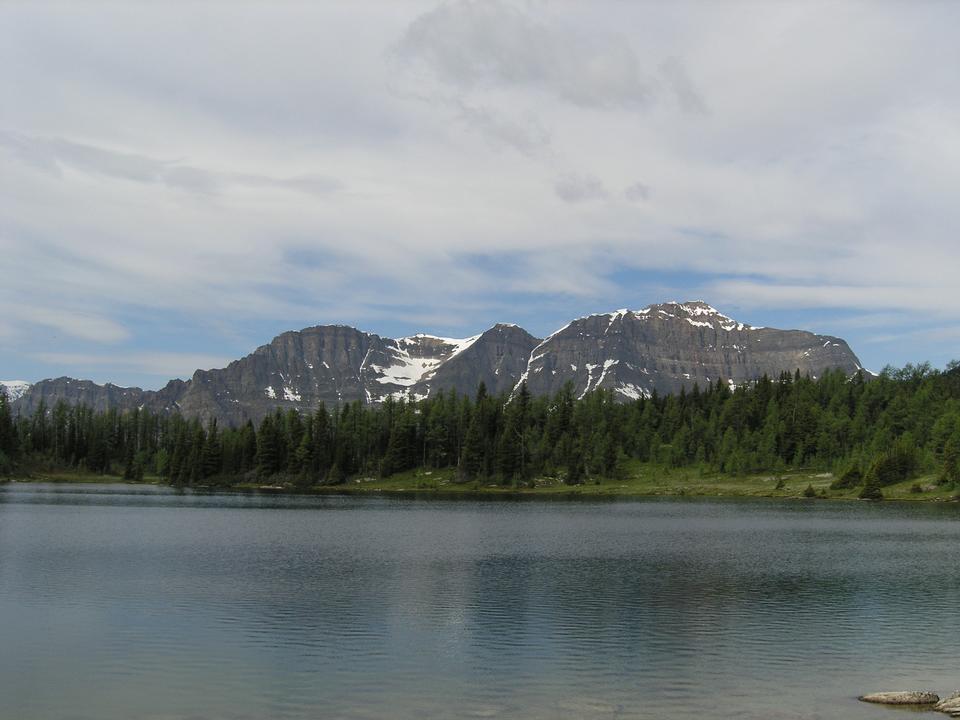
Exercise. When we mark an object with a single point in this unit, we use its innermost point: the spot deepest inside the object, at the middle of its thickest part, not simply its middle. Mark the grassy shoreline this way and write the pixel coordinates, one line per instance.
(642, 481)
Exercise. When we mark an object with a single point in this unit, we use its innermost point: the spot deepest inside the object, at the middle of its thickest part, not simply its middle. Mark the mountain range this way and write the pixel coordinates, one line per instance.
(661, 348)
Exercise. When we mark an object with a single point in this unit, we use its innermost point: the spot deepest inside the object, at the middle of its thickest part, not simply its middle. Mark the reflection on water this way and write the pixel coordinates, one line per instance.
(122, 602)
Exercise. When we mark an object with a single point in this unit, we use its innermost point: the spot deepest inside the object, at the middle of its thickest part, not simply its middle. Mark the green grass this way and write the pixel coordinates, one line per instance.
(639, 480)
(76, 477)
(643, 480)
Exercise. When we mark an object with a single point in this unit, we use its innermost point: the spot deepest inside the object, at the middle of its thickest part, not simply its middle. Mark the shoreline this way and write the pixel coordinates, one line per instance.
(655, 484)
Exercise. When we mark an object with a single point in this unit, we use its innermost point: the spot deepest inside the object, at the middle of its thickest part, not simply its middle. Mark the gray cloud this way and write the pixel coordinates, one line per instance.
(472, 44)
(529, 138)
(675, 73)
(579, 188)
(637, 192)
(55, 154)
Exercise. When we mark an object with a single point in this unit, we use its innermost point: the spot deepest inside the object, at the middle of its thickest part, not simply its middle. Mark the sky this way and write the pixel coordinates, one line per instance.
(181, 182)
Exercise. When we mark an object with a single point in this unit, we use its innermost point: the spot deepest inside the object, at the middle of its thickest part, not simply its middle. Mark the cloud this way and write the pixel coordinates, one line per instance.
(475, 44)
(420, 167)
(529, 138)
(868, 298)
(579, 188)
(637, 192)
(53, 155)
(164, 364)
(80, 325)
(675, 73)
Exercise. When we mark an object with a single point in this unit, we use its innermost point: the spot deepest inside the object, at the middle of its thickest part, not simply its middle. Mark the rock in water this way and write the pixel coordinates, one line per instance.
(950, 705)
(909, 697)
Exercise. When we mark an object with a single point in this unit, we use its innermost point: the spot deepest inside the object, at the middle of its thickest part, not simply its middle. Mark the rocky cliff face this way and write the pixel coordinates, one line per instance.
(78, 392)
(98, 397)
(14, 388)
(672, 346)
(496, 358)
(662, 347)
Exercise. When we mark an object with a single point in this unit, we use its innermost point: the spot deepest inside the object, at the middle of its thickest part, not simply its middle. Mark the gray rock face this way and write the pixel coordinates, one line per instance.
(949, 705)
(80, 392)
(497, 358)
(661, 348)
(909, 697)
(667, 347)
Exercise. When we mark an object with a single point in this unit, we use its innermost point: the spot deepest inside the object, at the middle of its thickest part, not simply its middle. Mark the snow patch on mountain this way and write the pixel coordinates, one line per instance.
(15, 388)
(634, 392)
(417, 356)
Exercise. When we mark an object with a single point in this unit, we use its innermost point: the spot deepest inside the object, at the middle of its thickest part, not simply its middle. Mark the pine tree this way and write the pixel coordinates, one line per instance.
(212, 460)
(304, 457)
(268, 458)
(950, 467)
(472, 456)
(321, 455)
(509, 448)
(7, 442)
(400, 454)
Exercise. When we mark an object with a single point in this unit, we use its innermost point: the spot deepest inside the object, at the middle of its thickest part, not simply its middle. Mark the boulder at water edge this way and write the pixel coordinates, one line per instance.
(950, 705)
(909, 697)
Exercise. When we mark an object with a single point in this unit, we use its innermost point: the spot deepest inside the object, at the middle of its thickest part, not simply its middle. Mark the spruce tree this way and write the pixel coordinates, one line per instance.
(7, 437)
(472, 457)
(304, 458)
(212, 451)
(268, 459)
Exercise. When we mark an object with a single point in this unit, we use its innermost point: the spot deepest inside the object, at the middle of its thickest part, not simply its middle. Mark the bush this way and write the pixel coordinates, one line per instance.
(849, 480)
(895, 465)
(916, 489)
(809, 492)
(871, 491)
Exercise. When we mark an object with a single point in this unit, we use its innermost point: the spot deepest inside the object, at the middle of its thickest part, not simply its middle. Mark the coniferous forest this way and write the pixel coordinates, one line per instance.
(869, 431)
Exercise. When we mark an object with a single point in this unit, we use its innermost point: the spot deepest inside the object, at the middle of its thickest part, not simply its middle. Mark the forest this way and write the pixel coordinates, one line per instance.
(868, 431)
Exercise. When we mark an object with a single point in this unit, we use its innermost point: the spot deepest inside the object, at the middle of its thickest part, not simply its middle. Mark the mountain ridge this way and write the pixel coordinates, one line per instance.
(660, 348)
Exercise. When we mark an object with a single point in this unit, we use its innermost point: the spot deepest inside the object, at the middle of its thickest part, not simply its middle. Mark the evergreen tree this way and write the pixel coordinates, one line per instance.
(268, 455)
(472, 456)
(304, 457)
(7, 443)
(212, 458)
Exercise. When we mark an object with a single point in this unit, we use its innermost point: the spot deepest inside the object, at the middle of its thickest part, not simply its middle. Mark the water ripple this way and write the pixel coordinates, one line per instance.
(144, 602)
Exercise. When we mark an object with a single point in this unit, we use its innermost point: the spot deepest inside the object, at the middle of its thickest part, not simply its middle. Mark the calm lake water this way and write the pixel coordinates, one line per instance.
(122, 602)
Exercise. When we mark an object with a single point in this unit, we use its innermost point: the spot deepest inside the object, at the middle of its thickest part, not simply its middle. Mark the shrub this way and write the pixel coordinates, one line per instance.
(871, 491)
(809, 492)
(893, 466)
(849, 480)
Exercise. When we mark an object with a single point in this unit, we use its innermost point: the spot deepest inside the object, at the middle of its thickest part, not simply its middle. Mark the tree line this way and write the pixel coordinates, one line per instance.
(870, 432)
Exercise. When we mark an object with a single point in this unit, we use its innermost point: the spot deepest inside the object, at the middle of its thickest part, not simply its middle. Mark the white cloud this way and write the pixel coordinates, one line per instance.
(79, 325)
(402, 163)
(163, 364)
(56, 155)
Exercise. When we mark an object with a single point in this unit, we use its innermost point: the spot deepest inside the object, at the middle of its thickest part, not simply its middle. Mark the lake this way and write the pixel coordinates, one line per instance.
(121, 602)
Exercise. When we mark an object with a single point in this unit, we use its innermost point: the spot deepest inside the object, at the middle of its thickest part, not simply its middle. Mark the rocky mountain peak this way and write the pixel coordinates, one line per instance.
(660, 348)
(14, 388)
